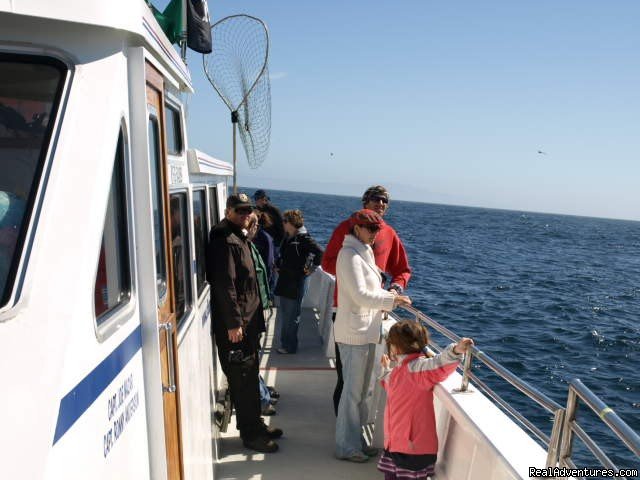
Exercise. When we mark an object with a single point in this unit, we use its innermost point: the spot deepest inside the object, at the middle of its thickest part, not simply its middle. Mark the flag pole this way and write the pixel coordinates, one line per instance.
(183, 32)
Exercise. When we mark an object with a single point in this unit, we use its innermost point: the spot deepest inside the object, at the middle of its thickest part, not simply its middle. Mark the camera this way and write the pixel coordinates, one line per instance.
(308, 265)
(236, 356)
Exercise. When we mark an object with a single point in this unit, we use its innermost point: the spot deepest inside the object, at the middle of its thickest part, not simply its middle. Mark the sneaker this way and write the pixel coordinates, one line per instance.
(284, 351)
(261, 444)
(357, 457)
(268, 410)
(273, 393)
(370, 451)
(271, 432)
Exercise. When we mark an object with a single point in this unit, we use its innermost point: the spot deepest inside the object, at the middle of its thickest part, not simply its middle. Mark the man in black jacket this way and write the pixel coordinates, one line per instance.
(238, 319)
(275, 227)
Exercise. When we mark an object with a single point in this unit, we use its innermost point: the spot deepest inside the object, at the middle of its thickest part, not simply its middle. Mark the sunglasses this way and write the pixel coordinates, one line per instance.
(243, 210)
(372, 228)
(384, 200)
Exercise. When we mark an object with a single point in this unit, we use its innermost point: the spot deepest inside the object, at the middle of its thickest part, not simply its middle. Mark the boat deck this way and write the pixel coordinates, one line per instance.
(305, 412)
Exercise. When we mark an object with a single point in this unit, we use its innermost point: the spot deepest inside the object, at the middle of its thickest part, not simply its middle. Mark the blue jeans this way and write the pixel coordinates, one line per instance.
(265, 396)
(289, 310)
(357, 365)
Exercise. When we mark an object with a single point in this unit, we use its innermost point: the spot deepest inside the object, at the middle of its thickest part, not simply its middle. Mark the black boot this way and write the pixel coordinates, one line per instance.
(261, 443)
(271, 432)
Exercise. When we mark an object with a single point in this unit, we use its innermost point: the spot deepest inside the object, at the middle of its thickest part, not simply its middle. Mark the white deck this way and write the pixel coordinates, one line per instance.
(305, 412)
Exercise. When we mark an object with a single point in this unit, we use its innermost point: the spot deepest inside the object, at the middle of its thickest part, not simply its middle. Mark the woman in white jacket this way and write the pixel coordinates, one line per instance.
(357, 328)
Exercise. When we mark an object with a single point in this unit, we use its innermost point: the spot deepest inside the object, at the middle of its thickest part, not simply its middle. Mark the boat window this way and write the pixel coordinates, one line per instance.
(174, 130)
(180, 253)
(201, 235)
(213, 206)
(30, 92)
(113, 279)
(157, 205)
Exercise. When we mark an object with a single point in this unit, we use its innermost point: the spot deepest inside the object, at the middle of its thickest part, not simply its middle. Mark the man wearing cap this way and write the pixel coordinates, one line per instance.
(238, 319)
(388, 251)
(276, 228)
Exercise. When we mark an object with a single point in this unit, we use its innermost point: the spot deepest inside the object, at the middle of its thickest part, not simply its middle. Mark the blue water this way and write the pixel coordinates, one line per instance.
(551, 297)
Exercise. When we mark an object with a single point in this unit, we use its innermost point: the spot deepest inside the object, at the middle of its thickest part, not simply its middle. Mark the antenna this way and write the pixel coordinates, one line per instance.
(238, 71)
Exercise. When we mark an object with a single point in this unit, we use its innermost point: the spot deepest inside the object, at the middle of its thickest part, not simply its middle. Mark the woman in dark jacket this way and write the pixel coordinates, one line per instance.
(299, 257)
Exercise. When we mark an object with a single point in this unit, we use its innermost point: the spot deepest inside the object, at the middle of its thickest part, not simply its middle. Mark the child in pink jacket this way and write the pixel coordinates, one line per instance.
(410, 438)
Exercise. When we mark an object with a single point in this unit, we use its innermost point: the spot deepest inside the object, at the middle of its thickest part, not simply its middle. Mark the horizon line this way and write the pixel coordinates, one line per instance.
(622, 219)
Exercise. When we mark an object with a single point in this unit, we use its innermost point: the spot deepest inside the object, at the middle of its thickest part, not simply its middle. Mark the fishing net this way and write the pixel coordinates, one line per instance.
(237, 69)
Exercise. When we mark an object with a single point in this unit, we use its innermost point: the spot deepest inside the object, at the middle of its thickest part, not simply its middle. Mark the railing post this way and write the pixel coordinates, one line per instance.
(566, 445)
(553, 452)
(464, 386)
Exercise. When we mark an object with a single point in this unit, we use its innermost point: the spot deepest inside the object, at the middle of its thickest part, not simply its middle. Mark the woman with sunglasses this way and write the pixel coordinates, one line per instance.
(357, 328)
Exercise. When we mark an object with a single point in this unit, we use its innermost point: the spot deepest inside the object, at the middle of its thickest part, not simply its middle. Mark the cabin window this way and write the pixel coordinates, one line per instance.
(157, 206)
(213, 205)
(174, 130)
(201, 233)
(181, 254)
(30, 92)
(113, 278)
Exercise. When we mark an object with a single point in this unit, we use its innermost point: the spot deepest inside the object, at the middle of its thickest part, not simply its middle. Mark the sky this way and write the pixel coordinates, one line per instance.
(446, 102)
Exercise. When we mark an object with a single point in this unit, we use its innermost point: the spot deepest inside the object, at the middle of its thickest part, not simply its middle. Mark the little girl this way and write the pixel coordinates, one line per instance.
(410, 438)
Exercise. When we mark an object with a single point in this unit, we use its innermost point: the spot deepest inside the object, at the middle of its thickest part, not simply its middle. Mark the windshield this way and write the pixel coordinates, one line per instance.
(30, 89)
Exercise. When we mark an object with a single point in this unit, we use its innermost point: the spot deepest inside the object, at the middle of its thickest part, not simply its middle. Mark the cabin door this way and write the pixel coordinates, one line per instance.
(164, 268)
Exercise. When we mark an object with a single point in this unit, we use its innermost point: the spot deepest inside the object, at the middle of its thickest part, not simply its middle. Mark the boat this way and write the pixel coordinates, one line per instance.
(108, 366)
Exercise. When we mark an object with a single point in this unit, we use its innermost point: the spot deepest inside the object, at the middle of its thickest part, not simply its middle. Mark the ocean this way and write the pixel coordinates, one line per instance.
(551, 297)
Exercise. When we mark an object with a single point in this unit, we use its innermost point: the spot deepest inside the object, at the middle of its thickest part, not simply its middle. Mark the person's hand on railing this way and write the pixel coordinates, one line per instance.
(400, 300)
(463, 346)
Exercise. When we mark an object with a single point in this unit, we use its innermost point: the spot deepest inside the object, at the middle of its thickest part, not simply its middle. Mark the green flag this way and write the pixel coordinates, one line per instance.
(170, 20)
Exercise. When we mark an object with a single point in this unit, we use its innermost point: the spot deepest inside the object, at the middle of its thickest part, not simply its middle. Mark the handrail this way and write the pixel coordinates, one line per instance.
(501, 371)
(564, 425)
(552, 442)
(578, 391)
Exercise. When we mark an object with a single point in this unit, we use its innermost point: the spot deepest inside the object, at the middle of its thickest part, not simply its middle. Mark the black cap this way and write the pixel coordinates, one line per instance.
(239, 200)
(260, 194)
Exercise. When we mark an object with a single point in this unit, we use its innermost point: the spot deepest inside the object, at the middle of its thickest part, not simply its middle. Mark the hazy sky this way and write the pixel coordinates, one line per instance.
(447, 102)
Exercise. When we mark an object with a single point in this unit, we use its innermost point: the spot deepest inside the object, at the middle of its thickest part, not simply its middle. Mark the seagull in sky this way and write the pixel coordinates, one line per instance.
(541, 152)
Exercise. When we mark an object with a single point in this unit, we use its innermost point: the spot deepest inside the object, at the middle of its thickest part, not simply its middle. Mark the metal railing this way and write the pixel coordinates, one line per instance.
(559, 443)
(551, 442)
(570, 428)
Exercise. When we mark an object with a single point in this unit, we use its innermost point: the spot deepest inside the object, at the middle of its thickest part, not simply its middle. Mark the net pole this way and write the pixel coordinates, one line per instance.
(235, 185)
(234, 122)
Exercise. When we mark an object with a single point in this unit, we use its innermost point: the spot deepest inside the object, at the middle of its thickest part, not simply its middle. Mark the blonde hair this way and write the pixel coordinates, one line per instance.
(294, 217)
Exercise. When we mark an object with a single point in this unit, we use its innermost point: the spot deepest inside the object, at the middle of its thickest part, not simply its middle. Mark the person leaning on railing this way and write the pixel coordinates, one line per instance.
(410, 434)
(388, 250)
(357, 329)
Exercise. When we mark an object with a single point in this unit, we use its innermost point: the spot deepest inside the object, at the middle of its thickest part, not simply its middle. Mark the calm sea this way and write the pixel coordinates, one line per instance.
(551, 297)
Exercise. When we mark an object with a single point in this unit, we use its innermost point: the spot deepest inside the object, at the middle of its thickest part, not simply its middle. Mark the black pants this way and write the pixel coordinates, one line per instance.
(245, 392)
(340, 383)
(242, 374)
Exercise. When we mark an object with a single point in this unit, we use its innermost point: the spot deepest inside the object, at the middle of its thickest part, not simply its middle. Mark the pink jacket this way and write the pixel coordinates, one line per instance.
(409, 417)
